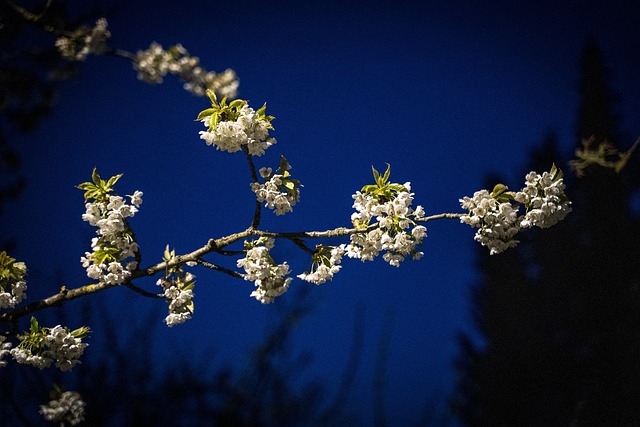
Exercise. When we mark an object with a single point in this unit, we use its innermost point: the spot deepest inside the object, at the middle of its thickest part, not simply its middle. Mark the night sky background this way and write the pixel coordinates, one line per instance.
(445, 93)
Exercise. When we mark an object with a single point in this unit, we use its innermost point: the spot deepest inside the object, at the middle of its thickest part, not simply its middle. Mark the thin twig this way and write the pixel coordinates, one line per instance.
(219, 268)
(255, 223)
(142, 291)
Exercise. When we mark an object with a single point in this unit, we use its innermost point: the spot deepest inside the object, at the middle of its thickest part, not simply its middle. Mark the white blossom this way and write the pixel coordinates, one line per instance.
(12, 285)
(65, 348)
(396, 233)
(154, 63)
(84, 41)
(544, 199)
(67, 408)
(248, 130)
(114, 237)
(179, 294)
(26, 357)
(268, 277)
(497, 223)
(275, 195)
(324, 266)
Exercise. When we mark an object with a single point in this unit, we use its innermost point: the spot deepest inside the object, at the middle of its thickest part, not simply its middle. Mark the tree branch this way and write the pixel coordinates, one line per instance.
(213, 245)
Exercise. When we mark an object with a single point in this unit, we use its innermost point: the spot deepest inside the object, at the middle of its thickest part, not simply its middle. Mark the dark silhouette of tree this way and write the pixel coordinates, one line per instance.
(31, 70)
(559, 315)
(127, 387)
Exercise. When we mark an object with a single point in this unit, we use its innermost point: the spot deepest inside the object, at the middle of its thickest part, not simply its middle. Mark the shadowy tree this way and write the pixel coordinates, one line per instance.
(130, 388)
(31, 70)
(559, 315)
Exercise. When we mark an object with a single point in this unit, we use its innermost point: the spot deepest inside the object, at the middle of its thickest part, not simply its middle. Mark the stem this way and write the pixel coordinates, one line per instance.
(219, 268)
(254, 178)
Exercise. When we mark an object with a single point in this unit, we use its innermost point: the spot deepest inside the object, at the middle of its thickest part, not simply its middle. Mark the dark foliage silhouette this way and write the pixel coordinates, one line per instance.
(559, 316)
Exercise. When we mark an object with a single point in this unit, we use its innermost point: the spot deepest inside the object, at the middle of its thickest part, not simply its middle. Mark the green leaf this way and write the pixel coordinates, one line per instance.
(34, 325)
(237, 103)
(498, 190)
(212, 97)
(387, 173)
(112, 181)
(205, 113)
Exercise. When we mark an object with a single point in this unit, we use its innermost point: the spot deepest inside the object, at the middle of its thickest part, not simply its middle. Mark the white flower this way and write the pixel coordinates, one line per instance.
(497, 223)
(155, 63)
(84, 41)
(179, 294)
(248, 129)
(64, 348)
(260, 268)
(24, 356)
(326, 262)
(12, 283)
(545, 200)
(275, 195)
(394, 219)
(68, 407)
(114, 237)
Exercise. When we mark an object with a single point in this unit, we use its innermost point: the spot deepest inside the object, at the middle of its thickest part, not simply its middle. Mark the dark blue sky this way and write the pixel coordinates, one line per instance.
(444, 93)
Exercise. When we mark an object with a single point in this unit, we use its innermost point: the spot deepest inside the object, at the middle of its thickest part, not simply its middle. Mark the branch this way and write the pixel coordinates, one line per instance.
(254, 178)
(213, 245)
(219, 268)
(55, 300)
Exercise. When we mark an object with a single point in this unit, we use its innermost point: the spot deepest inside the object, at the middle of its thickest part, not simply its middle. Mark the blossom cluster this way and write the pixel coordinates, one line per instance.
(279, 192)
(394, 229)
(178, 290)
(66, 407)
(497, 222)
(12, 283)
(236, 126)
(496, 214)
(40, 346)
(115, 242)
(84, 41)
(394, 218)
(325, 263)
(154, 63)
(544, 199)
(268, 277)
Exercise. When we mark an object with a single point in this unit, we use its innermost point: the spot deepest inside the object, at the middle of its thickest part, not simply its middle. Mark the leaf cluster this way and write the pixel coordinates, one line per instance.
(10, 271)
(383, 190)
(223, 112)
(98, 189)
